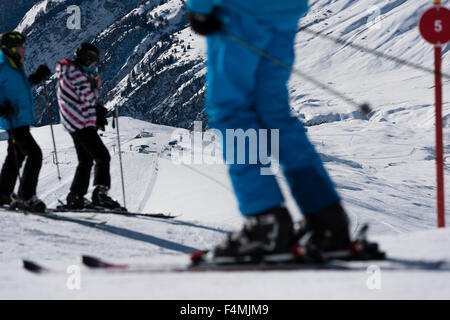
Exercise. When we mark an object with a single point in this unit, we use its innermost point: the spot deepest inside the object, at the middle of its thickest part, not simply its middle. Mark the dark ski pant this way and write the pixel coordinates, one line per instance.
(90, 148)
(23, 146)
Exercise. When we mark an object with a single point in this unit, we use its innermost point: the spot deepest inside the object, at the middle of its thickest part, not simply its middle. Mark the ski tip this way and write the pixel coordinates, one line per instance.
(33, 267)
(96, 263)
(92, 262)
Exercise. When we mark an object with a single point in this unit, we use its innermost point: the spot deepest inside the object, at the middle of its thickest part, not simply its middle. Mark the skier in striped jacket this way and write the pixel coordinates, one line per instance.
(82, 115)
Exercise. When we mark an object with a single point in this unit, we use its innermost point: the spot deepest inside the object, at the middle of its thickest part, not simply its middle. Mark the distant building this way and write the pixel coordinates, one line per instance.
(144, 148)
(144, 134)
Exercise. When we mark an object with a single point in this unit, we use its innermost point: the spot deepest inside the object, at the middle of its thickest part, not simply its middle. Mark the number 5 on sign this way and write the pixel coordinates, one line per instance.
(435, 25)
(438, 26)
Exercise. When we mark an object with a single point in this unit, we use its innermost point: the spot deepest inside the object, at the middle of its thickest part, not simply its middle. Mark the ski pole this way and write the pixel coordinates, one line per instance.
(116, 116)
(116, 119)
(363, 108)
(47, 102)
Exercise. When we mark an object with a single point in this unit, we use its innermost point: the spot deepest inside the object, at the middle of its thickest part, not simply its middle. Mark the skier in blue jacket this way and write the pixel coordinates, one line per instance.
(16, 116)
(246, 91)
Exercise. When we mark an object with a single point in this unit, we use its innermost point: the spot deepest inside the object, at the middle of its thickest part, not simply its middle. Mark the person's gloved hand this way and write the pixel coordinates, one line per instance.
(204, 24)
(101, 117)
(6, 110)
(42, 73)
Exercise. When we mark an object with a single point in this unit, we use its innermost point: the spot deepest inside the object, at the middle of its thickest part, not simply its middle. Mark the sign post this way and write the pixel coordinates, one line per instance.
(435, 28)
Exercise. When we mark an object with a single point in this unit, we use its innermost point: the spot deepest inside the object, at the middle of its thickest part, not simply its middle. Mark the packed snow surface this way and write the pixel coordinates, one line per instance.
(389, 184)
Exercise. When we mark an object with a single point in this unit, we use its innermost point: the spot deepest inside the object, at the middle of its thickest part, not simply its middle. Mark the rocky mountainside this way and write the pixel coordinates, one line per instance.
(153, 64)
(149, 68)
(12, 12)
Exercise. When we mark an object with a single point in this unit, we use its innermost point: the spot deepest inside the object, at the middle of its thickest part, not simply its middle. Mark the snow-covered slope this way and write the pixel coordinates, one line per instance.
(388, 183)
(394, 90)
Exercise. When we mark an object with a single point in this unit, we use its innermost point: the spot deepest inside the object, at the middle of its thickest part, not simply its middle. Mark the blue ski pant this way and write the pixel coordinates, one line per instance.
(246, 91)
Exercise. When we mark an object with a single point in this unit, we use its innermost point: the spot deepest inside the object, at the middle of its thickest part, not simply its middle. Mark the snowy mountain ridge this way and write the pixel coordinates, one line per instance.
(153, 66)
(146, 67)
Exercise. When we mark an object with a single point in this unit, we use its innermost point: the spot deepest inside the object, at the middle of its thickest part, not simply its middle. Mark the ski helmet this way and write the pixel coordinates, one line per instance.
(86, 53)
(9, 43)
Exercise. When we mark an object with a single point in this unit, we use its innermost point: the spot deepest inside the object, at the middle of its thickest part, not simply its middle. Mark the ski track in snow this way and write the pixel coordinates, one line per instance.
(153, 177)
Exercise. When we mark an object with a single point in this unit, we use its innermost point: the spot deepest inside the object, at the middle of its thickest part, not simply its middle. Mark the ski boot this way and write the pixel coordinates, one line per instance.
(329, 228)
(77, 202)
(266, 233)
(5, 200)
(100, 198)
(34, 204)
(324, 235)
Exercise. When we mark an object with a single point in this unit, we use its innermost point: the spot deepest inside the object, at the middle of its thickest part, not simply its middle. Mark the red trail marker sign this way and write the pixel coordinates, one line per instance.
(434, 26)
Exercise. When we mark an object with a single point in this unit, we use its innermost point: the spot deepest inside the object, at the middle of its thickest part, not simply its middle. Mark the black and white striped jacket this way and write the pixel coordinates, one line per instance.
(76, 97)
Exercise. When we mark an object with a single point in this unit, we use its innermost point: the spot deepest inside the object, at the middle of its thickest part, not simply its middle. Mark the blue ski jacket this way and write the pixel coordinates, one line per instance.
(15, 87)
(283, 14)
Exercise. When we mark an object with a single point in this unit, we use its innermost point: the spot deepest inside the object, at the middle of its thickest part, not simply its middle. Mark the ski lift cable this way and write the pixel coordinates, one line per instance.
(370, 51)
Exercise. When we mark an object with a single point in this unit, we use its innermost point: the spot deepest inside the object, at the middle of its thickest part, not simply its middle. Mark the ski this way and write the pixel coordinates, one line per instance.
(117, 212)
(99, 264)
(271, 263)
(359, 255)
(33, 267)
(49, 214)
(95, 263)
(96, 210)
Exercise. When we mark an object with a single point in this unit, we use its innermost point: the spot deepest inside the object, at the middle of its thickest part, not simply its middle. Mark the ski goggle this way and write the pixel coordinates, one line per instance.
(88, 57)
(92, 56)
